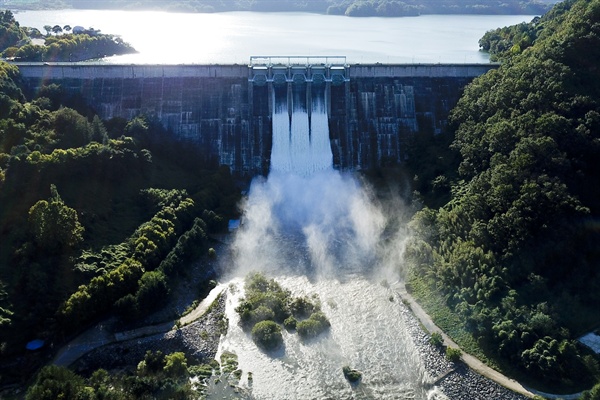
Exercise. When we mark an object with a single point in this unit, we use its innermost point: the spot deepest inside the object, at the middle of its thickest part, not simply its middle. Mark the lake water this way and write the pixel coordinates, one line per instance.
(232, 37)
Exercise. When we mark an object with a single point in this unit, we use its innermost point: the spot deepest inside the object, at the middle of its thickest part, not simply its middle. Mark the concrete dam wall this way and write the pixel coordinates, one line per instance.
(373, 110)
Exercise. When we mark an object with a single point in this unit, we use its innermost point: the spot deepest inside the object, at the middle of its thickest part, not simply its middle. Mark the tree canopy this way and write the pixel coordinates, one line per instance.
(355, 8)
(515, 247)
(135, 207)
(16, 42)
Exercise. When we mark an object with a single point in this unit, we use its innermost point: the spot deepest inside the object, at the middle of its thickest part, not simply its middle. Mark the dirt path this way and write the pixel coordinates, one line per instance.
(203, 306)
(89, 340)
(99, 335)
(474, 363)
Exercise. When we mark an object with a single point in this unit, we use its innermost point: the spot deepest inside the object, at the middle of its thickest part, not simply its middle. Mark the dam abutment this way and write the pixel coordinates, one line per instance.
(226, 110)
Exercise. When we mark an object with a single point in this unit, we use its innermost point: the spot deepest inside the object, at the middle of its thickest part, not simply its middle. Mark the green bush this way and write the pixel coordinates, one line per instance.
(229, 362)
(351, 375)
(436, 339)
(267, 335)
(302, 307)
(314, 326)
(453, 354)
(290, 323)
(261, 313)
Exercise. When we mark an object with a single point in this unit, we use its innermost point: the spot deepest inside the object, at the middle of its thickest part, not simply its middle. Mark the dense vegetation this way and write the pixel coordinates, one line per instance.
(266, 304)
(156, 376)
(16, 43)
(503, 43)
(356, 8)
(514, 250)
(96, 217)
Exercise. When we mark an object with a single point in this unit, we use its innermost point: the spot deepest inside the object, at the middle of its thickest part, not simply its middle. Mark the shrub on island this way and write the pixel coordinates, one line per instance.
(290, 323)
(302, 307)
(266, 305)
(263, 294)
(267, 335)
(313, 326)
(351, 375)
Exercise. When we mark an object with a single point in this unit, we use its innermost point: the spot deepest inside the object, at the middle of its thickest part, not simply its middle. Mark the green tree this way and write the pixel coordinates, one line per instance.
(267, 334)
(54, 382)
(98, 131)
(72, 128)
(152, 363)
(153, 289)
(10, 31)
(55, 226)
(176, 366)
(593, 394)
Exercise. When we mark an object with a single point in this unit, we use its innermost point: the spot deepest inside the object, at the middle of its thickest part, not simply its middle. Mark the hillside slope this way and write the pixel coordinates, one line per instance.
(515, 249)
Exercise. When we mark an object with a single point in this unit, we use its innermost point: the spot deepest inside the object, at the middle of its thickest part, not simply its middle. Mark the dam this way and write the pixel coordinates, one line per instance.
(227, 110)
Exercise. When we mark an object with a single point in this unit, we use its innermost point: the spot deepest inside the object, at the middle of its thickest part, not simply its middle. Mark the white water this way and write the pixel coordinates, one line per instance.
(300, 146)
(319, 233)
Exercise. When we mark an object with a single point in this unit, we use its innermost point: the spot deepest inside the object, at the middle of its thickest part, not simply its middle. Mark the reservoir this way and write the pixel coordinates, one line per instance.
(232, 37)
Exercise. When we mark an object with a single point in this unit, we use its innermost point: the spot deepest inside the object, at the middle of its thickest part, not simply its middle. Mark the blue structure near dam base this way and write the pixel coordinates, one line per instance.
(373, 111)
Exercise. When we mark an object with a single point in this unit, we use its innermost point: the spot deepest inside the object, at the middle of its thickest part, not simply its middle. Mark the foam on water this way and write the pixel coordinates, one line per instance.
(319, 233)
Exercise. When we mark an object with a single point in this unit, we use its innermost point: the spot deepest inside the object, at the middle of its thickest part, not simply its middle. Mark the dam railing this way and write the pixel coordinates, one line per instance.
(298, 69)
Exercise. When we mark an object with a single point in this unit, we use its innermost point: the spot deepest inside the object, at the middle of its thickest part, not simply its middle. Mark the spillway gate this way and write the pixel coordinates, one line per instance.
(298, 69)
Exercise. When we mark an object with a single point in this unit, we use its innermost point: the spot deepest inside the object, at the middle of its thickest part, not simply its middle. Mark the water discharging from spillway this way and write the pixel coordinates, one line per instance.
(317, 233)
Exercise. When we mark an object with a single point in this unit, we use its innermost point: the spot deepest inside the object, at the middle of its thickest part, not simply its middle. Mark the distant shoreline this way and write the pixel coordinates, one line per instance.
(16, 11)
(350, 8)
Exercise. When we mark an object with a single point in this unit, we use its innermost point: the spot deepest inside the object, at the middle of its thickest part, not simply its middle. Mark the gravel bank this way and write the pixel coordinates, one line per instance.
(198, 340)
(461, 383)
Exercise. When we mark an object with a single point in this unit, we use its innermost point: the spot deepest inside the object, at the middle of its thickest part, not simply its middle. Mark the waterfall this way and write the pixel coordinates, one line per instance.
(319, 233)
(300, 144)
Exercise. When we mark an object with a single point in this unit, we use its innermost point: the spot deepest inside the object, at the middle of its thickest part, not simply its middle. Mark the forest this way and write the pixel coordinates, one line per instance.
(508, 234)
(96, 218)
(59, 43)
(354, 8)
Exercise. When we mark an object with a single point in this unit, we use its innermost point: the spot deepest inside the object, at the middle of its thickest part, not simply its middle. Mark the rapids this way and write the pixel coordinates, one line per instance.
(319, 233)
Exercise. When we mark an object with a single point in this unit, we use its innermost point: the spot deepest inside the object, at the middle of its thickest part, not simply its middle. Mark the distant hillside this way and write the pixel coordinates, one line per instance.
(355, 8)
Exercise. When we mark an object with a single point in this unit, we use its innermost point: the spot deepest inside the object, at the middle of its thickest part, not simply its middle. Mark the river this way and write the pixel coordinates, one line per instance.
(232, 37)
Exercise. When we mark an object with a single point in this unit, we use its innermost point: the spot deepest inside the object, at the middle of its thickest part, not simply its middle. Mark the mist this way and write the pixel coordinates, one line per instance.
(323, 234)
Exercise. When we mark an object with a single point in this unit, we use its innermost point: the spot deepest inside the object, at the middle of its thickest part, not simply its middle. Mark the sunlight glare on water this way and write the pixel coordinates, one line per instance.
(232, 37)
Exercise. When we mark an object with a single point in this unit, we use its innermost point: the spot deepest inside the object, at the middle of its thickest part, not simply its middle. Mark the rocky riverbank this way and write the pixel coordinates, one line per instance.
(455, 380)
(198, 340)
